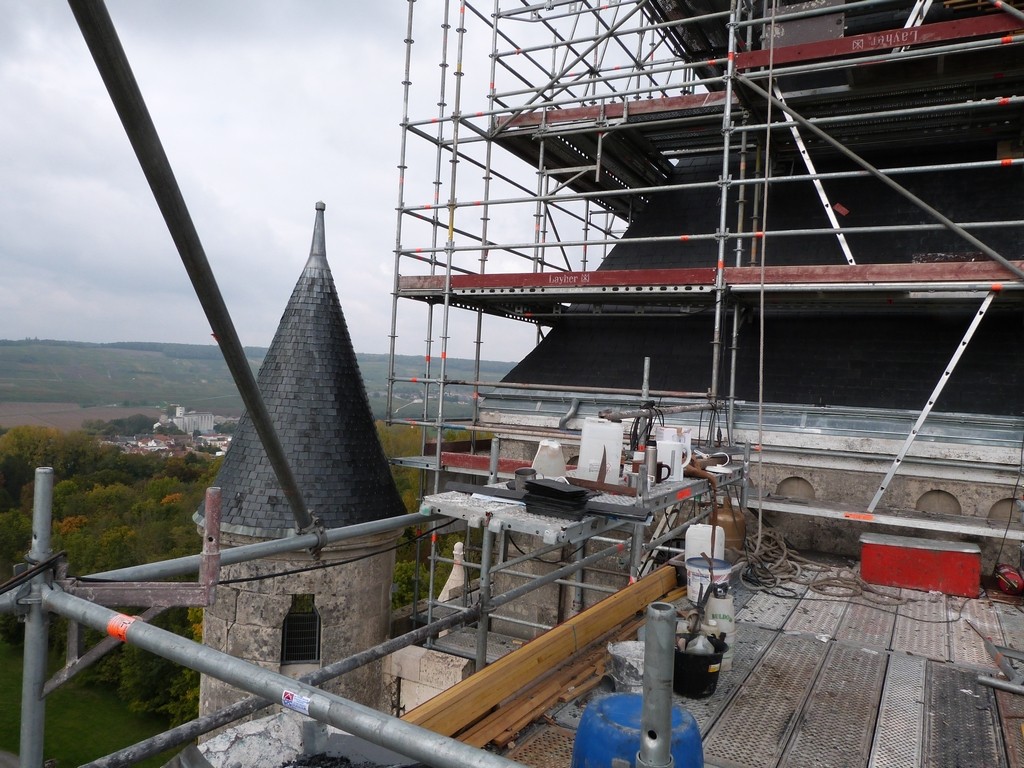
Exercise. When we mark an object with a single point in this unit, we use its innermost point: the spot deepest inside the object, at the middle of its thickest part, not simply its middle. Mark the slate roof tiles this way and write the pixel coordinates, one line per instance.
(314, 392)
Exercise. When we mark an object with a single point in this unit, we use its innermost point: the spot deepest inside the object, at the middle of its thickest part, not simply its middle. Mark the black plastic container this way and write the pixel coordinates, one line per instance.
(695, 675)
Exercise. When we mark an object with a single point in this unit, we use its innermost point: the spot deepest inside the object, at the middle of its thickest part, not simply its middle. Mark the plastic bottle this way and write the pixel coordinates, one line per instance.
(733, 524)
(549, 461)
(700, 645)
(721, 609)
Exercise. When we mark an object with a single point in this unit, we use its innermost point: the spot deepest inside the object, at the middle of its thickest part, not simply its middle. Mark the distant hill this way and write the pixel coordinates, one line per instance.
(139, 374)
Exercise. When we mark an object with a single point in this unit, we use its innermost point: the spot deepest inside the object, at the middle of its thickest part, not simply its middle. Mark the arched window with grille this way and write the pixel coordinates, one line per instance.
(300, 641)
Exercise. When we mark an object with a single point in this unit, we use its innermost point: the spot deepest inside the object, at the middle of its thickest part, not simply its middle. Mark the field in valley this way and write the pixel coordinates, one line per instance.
(65, 416)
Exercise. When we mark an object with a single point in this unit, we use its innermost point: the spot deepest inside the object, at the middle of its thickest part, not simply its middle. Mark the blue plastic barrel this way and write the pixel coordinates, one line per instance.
(610, 730)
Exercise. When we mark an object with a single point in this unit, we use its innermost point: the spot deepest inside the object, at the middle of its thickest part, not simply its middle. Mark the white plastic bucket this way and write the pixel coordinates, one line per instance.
(698, 541)
(698, 576)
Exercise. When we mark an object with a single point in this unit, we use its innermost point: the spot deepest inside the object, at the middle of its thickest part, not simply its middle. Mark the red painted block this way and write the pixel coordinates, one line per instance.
(950, 567)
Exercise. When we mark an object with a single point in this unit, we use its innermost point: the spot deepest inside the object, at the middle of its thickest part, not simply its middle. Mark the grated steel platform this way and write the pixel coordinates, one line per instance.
(867, 624)
(771, 610)
(922, 626)
(755, 727)
(816, 615)
(966, 645)
(831, 683)
(897, 738)
(961, 722)
(837, 721)
(547, 747)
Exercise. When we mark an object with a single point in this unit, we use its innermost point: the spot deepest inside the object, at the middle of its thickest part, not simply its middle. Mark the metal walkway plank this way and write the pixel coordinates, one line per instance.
(966, 646)
(753, 731)
(922, 626)
(836, 725)
(868, 624)
(961, 724)
(900, 715)
(769, 610)
(741, 593)
(750, 645)
(1011, 621)
(1011, 715)
(817, 615)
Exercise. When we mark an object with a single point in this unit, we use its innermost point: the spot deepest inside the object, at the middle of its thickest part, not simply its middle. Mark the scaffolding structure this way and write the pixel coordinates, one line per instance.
(557, 123)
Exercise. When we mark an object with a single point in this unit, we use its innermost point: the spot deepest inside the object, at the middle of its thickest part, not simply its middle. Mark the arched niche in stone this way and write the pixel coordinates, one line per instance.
(1002, 510)
(795, 488)
(938, 503)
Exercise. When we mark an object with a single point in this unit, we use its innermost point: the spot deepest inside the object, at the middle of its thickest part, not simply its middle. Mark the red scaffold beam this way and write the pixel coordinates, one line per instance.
(616, 110)
(878, 41)
(825, 274)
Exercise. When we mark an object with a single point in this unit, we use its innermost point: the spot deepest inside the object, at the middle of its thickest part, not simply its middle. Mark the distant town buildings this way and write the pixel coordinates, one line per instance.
(194, 431)
(193, 421)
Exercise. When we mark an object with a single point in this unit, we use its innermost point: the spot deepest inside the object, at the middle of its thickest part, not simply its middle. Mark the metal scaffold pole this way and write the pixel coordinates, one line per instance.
(33, 706)
(111, 61)
(376, 727)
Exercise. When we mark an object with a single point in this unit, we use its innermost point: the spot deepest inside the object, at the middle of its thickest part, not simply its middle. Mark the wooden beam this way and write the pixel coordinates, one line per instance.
(572, 679)
(466, 702)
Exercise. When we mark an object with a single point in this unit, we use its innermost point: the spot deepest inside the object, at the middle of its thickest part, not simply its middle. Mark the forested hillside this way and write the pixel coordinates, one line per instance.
(114, 509)
(193, 375)
(110, 510)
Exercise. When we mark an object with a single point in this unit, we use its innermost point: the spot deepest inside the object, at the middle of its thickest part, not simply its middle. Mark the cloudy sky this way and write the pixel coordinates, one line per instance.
(263, 107)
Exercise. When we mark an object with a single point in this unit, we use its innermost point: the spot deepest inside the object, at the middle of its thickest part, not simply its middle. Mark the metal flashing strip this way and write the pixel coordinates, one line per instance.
(768, 610)
(754, 730)
(900, 714)
(947, 523)
(965, 644)
(867, 624)
(749, 646)
(817, 615)
(839, 717)
(961, 723)
(922, 627)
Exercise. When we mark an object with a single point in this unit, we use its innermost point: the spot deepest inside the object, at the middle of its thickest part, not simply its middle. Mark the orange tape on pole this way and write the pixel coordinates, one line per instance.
(117, 627)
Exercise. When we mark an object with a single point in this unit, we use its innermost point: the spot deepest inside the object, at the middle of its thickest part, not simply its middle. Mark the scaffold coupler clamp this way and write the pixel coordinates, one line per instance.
(25, 573)
(316, 527)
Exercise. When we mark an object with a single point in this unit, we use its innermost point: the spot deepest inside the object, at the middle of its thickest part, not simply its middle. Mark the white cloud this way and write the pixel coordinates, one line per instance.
(263, 109)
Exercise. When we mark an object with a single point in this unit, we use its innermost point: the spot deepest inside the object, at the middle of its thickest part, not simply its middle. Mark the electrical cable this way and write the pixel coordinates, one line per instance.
(791, 594)
(31, 572)
(770, 563)
(320, 566)
(640, 431)
(556, 561)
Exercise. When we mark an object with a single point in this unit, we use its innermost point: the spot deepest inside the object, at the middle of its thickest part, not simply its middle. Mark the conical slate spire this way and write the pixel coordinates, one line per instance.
(315, 395)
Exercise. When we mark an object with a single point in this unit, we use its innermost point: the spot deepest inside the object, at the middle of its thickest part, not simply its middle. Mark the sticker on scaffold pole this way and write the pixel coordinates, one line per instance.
(118, 625)
(295, 701)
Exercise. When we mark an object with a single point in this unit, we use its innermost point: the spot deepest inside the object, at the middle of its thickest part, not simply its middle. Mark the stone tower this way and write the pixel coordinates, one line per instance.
(295, 613)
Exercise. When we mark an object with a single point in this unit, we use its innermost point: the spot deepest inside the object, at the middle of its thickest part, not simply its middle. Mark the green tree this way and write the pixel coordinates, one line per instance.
(15, 539)
(111, 510)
